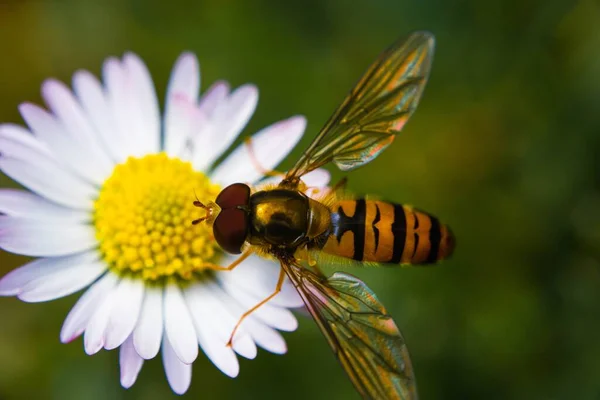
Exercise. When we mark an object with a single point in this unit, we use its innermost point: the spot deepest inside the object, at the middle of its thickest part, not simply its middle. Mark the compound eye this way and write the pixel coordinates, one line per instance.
(230, 229)
(233, 195)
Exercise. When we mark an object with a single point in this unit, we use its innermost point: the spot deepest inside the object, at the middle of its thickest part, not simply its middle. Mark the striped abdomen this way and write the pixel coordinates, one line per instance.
(382, 232)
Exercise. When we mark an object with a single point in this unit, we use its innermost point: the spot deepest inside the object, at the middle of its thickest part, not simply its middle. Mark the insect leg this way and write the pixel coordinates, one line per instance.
(265, 300)
(256, 162)
(232, 265)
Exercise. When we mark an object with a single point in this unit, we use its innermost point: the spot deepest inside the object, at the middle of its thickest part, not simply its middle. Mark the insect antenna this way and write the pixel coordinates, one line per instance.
(212, 210)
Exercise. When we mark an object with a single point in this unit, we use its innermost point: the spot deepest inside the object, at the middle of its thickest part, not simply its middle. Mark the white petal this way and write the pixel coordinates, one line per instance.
(88, 158)
(214, 311)
(245, 346)
(30, 163)
(62, 145)
(44, 239)
(188, 120)
(182, 94)
(16, 140)
(265, 336)
(24, 204)
(128, 296)
(130, 363)
(204, 122)
(211, 341)
(228, 120)
(276, 317)
(14, 282)
(316, 182)
(93, 339)
(178, 374)
(149, 330)
(85, 307)
(258, 277)
(144, 109)
(121, 96)
(178, 325)
(63, 283)
(96, 106)
(270, 146)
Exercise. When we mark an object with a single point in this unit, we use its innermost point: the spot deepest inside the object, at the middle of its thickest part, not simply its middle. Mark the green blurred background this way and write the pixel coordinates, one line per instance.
(504, 147)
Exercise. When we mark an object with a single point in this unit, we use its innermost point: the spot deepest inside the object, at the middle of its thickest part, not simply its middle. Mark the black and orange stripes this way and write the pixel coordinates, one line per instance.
(382, 232)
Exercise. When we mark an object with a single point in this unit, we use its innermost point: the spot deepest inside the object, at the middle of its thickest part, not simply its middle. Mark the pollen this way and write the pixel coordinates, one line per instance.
(143, 219)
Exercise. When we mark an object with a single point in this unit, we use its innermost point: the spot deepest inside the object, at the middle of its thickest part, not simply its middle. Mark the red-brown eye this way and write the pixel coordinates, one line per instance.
(230, 229)
(234, 195)
(231, 225)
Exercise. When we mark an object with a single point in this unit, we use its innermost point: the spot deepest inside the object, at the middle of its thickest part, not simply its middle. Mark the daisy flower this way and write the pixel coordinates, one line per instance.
(110, 209)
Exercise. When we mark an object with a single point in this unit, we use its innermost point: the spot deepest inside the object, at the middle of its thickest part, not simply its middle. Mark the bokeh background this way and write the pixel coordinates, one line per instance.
(504, 147)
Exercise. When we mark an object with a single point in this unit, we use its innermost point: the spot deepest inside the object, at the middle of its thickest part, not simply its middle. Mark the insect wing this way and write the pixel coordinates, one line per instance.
(364, 338)
(375, 110)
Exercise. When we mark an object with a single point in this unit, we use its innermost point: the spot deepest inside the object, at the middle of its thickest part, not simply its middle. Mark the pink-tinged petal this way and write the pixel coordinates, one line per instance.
(269, 146)
(178, 325)
(214, 96)
(29, 162)
(212, 307)
(179, 375)
(97, 109)
(145, 112)
(89, 158)
(44, 239)
(24, 204)
(93, 338)
(130, 363)
(121, 97)
(182, 94)
(128, 297)
(86, 306)
(258, 277)
(148, 333)
(225, 124)
(13, 283)
(211, 341)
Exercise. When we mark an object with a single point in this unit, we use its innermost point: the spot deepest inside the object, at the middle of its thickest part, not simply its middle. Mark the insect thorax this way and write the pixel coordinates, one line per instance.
(285, 218)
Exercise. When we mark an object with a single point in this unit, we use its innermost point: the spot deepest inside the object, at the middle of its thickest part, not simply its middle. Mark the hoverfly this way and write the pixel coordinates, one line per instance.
(282, 222)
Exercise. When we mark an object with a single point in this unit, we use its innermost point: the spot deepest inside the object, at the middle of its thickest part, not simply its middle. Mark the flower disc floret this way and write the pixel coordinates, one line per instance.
(143, 219)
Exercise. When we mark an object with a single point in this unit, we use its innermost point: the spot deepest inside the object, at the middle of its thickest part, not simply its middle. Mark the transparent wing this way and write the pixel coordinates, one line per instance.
(364, 338)
(375, 110)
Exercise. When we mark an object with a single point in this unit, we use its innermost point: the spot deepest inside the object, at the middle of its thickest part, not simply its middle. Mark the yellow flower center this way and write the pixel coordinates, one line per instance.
(143, 219)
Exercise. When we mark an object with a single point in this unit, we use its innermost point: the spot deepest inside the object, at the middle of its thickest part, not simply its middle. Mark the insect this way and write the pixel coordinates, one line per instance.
(282, 222)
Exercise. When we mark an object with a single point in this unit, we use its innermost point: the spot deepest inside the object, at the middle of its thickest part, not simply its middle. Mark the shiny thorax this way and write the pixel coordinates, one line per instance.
(286, 218)
(382, 232)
